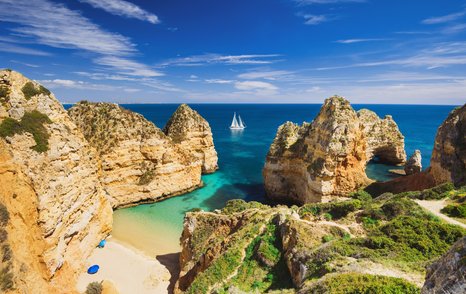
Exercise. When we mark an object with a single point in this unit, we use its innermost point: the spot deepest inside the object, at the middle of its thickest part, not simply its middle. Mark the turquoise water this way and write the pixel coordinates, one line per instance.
(156, 227)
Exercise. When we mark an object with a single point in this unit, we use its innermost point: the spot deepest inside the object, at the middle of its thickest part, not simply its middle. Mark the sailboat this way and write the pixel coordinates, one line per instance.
(237, 124)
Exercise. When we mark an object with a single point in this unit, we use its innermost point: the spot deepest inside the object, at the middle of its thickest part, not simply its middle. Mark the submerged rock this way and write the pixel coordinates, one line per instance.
(446, 275)
(191, 131)
(328, 156)
(49, 184)
(139, 163)
(414, 165)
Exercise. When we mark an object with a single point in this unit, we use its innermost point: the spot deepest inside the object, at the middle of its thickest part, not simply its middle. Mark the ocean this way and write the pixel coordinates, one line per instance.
(156, 228)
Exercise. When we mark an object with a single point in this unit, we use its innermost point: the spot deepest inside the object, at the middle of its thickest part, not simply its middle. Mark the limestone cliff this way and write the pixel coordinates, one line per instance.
(360, 245)
(192, 132)
(49, 184)
(446, 275)
(139, 163)
(448, 161)
(328, 156)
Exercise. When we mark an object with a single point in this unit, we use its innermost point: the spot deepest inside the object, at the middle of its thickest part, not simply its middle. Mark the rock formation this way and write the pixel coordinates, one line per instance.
(447, 163)
(328, 156)
(384, 139)
(49, 184)
(447, 275)
(191, 131)
(414, 165)
(139, 162)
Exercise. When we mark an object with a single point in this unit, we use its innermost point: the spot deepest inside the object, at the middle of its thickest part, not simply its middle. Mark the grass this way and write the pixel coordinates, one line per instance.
(352, 283)
(32, 122)
(30, 90)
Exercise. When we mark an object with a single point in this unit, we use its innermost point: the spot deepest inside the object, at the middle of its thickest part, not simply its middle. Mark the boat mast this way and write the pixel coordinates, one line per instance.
(234, 123)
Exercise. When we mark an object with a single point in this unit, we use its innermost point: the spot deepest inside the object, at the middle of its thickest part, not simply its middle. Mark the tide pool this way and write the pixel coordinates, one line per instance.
(156, 228)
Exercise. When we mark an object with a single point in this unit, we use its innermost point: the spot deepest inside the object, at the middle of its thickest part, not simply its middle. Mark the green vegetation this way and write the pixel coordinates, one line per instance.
(435, 193)
(238, 205)
(6, 276)
(94, 288)
(363, 284)
(29, 90)
(330, 210)
(361, 195)
(4, 93)
(455, 210)
(4, 215)
(31, 122)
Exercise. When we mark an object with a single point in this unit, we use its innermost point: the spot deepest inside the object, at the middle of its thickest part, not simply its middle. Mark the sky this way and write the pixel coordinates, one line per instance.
(239, 51)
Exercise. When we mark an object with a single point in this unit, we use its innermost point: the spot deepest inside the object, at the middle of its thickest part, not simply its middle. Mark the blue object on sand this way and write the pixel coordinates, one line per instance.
(102, 243)
(93, 269)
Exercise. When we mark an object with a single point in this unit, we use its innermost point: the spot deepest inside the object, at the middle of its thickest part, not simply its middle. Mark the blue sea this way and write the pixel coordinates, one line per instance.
(156, 228)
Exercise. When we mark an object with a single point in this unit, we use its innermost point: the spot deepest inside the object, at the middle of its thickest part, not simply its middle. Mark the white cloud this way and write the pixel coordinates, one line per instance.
(25, 63)
(128, 67)
(71, 84)
(444, 18)
(352, 41)
(258, 87)
(198, 60)
(219, 81)
(312, 19)
(124, 8)
(267, 75)
(4, 47)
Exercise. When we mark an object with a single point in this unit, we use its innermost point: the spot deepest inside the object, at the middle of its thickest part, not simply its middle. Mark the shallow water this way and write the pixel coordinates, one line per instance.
(156, 228)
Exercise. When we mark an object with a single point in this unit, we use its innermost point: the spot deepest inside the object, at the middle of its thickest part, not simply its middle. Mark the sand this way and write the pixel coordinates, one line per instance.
(131, 271)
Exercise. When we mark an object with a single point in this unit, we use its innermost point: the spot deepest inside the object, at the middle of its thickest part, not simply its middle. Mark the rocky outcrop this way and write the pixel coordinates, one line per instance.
(414, 164)
(49, 184)
(139, 163)
(192, 132)
(328, 156)
(384, 139)
(446, 275)
(448, 161)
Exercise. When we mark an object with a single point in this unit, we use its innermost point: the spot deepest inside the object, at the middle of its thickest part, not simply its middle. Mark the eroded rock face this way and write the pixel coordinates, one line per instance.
(328, 156)
(192, 132)
(64, 207)
(139, 162)
(414, 165)
(446, 275)
(448, 161)
(384, 139)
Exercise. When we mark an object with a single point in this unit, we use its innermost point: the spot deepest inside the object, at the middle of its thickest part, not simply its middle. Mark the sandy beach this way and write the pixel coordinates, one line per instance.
(130, 270)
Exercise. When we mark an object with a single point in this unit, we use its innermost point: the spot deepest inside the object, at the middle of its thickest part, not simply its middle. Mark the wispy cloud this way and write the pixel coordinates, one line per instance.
(12, 48)
(206, 59)
(128, 67)
(72, 84)
(219, 81)
(352, 41)
(124, 8)
(25, 63)
(313, 19)
(258, 87)
(267, 75)
(444, 18)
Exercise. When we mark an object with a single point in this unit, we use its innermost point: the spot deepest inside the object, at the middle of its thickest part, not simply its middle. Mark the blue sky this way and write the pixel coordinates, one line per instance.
(239, 51)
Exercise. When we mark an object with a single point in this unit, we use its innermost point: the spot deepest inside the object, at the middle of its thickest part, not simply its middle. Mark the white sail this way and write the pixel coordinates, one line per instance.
(241, 125)
(234, 123)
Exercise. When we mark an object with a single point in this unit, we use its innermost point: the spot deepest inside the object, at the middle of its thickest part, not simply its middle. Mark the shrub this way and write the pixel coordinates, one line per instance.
(6, 279)
(327, 216)
(3, 235)
(31, 122)
(3, 91)
(327, 238)
(6, 253)
(146, 177)
(335, 209)
(361, 195)
(94, 288)
(352, 283)
(436, 193)
(238, 205)
(4, 215)
(29, 90)
(455, 210)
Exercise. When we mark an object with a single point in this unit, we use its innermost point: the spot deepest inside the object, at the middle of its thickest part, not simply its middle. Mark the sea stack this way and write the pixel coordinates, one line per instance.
(191, 131)
(414, 165)
(49, 186)
(139, 163)
(328, 157)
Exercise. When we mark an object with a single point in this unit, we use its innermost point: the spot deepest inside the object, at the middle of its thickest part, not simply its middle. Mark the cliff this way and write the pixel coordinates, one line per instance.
(328, 156)
(139, 163)
(361, 245)
(49, 185)
(192, 132)
(446, 275)
(447, 163)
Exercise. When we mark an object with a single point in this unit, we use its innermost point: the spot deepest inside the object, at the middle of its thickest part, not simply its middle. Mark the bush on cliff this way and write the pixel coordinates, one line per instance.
(29, 90)
(455, 210)
(335, 209)
(31, 122)
(94, 288)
